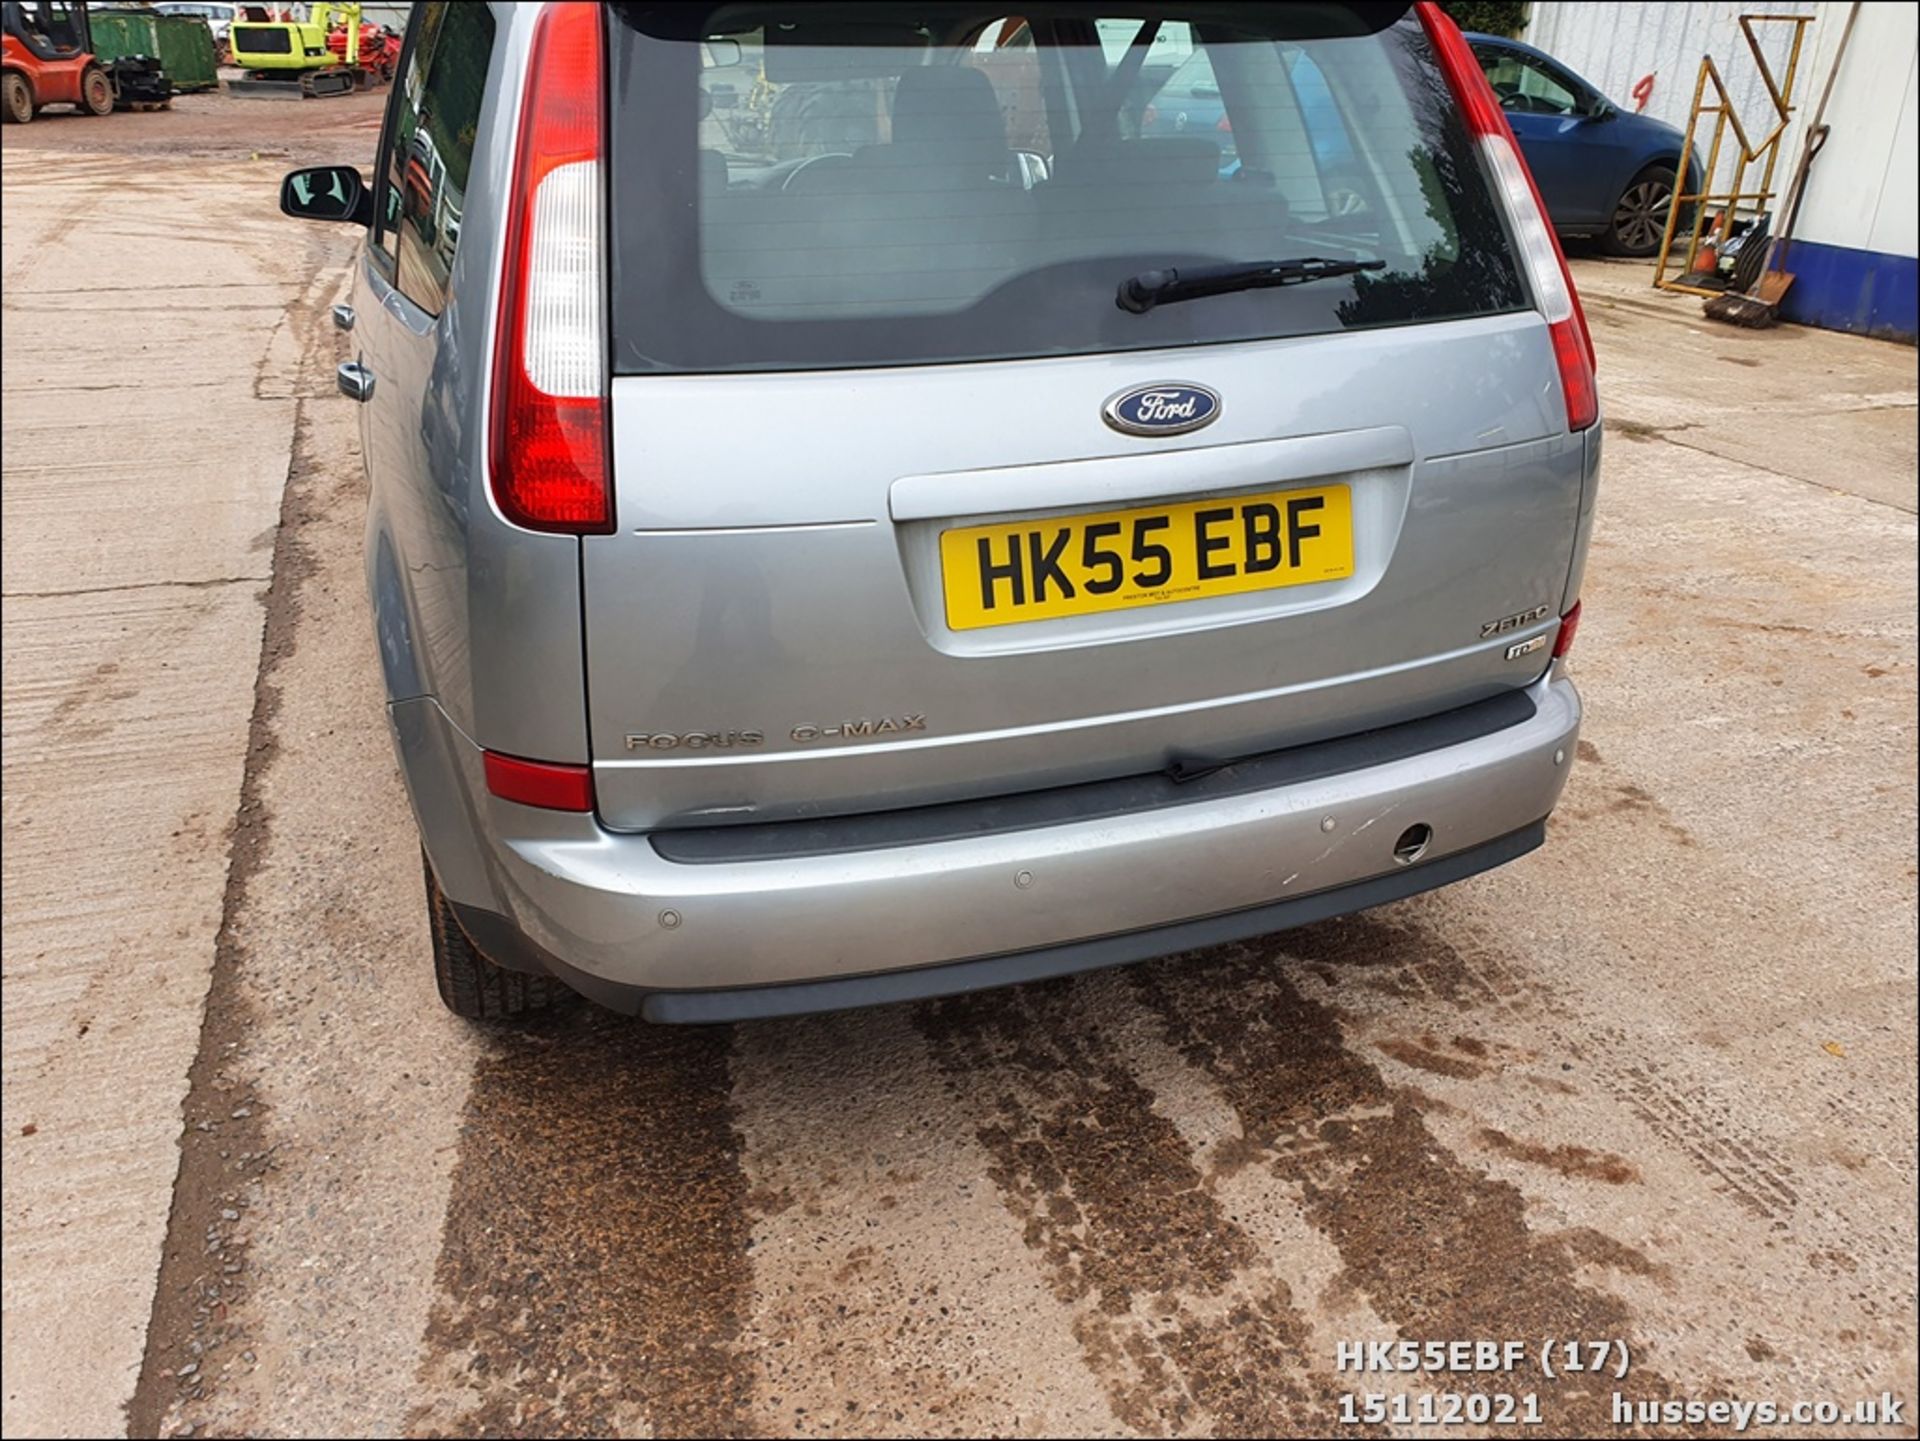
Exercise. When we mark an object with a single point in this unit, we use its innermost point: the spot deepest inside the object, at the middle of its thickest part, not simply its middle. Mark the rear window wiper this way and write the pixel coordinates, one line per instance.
(1140, 293)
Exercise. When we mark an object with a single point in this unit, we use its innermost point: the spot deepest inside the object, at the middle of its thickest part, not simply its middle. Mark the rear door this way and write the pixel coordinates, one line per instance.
(910, 508)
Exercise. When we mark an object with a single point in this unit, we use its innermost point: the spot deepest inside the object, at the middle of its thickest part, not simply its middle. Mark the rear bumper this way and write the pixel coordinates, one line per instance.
(807, 926)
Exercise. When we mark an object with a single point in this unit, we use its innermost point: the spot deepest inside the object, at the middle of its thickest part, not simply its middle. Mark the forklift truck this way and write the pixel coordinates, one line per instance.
(46, 58)
(51, 59)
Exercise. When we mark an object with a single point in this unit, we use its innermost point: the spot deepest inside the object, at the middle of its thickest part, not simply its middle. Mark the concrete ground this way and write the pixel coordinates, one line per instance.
(1654, 1083)
(154, 320)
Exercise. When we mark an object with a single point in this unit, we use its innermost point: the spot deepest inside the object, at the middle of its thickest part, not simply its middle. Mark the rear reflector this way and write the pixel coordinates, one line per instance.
(1540, 252)
(549, 436)
(546, 784)
(1569, 626)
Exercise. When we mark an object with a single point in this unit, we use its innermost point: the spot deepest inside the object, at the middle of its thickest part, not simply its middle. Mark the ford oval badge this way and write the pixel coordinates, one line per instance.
(1169, 408)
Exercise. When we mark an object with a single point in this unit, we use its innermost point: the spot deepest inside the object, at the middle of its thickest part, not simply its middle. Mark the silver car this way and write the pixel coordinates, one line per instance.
(863, 508)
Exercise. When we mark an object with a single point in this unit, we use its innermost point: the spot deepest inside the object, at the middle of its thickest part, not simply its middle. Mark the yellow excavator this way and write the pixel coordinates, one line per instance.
(328, 53)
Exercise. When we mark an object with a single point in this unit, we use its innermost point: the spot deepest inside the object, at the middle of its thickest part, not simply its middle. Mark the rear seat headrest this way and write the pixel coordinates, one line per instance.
(951, 114)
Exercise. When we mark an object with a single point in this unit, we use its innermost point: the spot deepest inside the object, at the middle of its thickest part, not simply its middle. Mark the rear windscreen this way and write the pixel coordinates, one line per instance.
(811, 185)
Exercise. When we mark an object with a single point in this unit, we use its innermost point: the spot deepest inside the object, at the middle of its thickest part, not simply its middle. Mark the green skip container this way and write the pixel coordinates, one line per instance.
(182, 43)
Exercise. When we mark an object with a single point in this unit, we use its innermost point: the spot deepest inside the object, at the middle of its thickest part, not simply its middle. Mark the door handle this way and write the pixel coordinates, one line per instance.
(355, 380)
(343, 317)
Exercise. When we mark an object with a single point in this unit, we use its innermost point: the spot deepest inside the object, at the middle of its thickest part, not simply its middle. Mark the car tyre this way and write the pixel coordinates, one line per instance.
(1640, 214)
(471, 986)
(16, 103)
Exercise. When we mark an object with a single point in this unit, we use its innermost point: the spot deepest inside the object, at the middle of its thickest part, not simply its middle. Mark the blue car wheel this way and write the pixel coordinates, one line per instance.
(1640, 215)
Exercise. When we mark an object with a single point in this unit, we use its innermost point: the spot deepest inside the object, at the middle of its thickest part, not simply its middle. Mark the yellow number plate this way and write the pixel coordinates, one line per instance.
(1081, 564)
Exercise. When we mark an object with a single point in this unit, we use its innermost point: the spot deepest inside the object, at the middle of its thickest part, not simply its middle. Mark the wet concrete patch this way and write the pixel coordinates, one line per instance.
(1394, 955)
(1578, 1162)
(1173, 1314)
(1439, 1248)
(594, 1268)
(1390, 955)
(1424, 1056)
(893, 1295)
(1082, 1155)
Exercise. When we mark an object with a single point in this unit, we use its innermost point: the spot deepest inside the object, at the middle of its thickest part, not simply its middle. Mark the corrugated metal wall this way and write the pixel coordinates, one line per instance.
(1614, 45)
(1617, 45)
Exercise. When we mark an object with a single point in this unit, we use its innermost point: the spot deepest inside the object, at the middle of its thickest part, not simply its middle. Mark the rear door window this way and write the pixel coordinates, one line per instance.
(403, 118)
(432, 154)
(793, 188)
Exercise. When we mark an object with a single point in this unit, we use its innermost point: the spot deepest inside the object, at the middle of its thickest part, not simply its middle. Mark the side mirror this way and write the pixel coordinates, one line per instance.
(1601, 110)
(327, 192)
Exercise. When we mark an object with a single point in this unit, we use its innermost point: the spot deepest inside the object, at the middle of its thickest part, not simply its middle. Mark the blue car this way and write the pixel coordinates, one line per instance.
(1603, 171)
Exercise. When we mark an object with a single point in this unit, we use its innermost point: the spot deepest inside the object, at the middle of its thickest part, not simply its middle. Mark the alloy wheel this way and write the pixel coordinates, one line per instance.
(1641, 217)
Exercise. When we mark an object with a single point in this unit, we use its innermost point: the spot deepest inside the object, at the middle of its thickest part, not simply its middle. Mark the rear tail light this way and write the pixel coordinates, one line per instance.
(1576, 374)
(546, 784)
(1569, 627)
(1540, 251)
(549, 425)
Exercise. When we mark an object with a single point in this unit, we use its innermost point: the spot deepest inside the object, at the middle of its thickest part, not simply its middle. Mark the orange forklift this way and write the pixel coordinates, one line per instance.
(49, 60)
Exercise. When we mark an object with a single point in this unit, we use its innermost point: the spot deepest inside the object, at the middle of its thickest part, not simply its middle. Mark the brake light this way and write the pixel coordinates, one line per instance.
(548, 451)
(546, 784)
(1540, 250)
(1569, 627)
(1576, 374)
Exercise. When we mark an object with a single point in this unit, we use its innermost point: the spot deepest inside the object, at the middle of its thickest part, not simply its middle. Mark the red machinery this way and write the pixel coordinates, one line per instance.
(49, 60)
(379, 48)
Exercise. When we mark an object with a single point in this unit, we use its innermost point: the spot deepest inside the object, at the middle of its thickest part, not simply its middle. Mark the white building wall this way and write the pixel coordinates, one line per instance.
(1896, 222)
(1862, 192)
